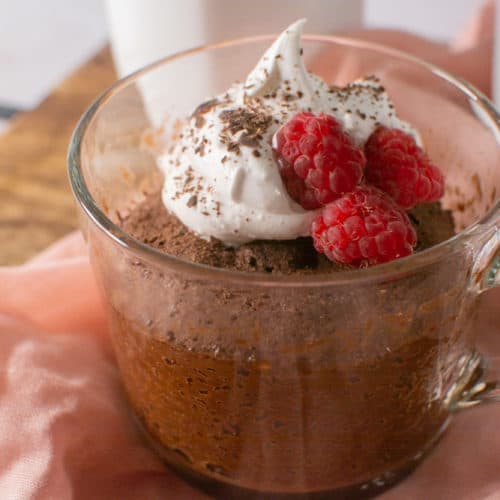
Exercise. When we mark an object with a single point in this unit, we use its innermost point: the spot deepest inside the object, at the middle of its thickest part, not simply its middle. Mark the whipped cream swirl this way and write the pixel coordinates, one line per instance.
(221, 179)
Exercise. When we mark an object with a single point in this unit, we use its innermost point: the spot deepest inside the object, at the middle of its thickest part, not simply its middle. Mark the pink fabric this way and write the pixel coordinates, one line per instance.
(65, 431)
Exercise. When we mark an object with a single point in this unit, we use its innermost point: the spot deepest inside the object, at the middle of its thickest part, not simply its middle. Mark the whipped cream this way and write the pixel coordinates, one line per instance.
(221, 179)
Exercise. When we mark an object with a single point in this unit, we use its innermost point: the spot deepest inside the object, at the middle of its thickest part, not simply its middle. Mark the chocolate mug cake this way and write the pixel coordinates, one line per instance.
(275, 335)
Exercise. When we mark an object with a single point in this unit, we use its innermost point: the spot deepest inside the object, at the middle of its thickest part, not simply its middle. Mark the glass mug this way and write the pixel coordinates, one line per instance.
(263, 384)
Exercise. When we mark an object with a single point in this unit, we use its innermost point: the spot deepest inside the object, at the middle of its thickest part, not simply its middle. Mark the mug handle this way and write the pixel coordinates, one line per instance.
(471, 388)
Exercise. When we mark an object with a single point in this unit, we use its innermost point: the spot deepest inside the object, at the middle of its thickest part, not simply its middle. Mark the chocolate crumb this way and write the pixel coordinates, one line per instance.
(192, 202)
(256, 153)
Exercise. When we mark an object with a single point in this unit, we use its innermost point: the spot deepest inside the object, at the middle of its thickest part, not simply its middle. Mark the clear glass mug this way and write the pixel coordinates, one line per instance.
(267, 384)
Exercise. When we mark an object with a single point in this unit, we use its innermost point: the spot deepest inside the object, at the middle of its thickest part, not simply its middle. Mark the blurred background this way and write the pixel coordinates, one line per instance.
(44, 41)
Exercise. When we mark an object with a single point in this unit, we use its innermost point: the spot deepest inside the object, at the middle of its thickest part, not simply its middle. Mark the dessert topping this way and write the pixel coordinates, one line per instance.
(363, 227)
(318, 161)
(398, 166)
(224, 154)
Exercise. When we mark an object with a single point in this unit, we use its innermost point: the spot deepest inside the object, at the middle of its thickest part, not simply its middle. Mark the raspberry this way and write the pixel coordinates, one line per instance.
(363, 227)
(398, 166)
(317, 160)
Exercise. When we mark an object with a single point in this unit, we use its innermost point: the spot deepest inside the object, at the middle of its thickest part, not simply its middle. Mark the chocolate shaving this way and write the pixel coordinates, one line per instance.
(252, 123)
(199, 121)
(217, 209)
(248, 140)
(192, 202)
(233, 147)
(205, 107)
(200, 150)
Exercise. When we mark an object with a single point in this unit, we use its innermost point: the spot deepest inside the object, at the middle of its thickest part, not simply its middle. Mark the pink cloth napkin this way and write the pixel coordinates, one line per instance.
(65, 430)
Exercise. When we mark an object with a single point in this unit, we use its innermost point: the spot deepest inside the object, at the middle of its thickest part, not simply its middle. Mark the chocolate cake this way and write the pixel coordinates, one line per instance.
(223, 410)
(152, 224)
(264, 385)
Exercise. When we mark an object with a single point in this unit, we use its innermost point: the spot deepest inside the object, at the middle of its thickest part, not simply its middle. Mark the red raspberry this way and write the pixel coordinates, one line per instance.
(398, 166)
(363, 227)
(317, 160)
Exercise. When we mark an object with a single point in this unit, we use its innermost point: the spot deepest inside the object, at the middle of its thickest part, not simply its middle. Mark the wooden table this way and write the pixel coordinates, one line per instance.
(36, 204)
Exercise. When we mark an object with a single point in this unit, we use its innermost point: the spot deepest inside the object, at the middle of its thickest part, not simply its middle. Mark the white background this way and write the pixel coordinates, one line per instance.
(42, 41)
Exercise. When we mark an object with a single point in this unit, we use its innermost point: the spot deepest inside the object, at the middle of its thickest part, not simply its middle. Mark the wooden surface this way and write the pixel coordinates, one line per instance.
(36, 204)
